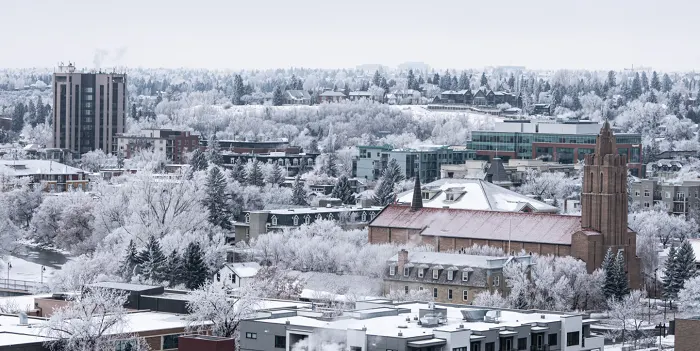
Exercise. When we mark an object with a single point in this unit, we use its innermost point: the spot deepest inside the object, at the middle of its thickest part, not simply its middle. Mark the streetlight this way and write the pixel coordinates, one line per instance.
(9, 266)
(43, 269)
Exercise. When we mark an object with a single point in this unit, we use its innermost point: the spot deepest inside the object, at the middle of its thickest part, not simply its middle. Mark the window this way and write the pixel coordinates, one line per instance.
(460, 349)
(450, 275)
(364, 216)
(125, 345)
(296, 219)
(636, 193)
(490, 346)
(496, 280)
(476, 346)
(646, 192)
(355, 348)
(280, 341)
(522, 344)
(170, 341)
(507, 344)
(449, 294)
(436, 274)
(405, 289)
(307, 219)
(552, 339)
(465, 295)
(420, 288)
(251, 335)
(646, 204)
(274, 220)
(233, 277)
(572, 338)
(435, 293)
(465, 276)
(420, 272)
(247, 217)
(668, 195)
(319, 217)
(406, 271)
(392, 270)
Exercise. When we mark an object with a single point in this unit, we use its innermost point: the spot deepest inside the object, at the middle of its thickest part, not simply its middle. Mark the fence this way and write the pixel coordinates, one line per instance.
(19, 285)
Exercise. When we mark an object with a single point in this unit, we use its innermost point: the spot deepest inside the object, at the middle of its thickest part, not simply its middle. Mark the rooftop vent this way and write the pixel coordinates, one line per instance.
(492, 316)
(474, 315)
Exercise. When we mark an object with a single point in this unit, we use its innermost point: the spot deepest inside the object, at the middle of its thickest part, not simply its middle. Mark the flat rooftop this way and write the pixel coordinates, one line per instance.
(392, 325)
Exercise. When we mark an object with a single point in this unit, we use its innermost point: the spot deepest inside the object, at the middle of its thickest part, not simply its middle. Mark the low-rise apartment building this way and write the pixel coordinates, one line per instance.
(681, 199)
(381, 325)
(451, 277)
(174, 143)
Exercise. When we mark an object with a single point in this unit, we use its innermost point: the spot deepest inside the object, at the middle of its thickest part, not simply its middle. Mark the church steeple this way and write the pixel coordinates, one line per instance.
(605, 143)
(417, 202)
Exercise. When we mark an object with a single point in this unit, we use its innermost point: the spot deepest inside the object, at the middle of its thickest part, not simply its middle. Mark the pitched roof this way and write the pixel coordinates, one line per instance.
(244, 269)
(298, 94)
(456, 259)
(20, 168)
(494, 225)
(332, 93)
(475, 194)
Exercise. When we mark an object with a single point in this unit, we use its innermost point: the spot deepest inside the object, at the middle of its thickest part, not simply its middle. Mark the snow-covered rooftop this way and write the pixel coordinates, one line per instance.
(392, 325)
(244, 269)
(494, 225)
(452, 259)
(476, 194)
(311, 210)
(20, 168)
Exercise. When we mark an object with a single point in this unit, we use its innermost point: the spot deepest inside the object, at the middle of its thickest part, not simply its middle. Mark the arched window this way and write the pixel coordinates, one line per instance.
(296, 219)
(319, 217)
(307, 219)
(590, 182)
(372, 215)
(247, 217)
(330, 216)
(274, 220)
(600, 181)
(364, 216)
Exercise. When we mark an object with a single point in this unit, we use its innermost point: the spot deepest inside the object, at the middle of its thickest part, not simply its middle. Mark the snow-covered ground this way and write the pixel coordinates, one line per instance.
(25, 270)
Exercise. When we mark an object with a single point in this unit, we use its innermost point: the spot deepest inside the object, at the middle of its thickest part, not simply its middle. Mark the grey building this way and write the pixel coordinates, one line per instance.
(89, 110)
(425, 160)
(679, 199)
(254, 223)
(381, 325)
(451, 277)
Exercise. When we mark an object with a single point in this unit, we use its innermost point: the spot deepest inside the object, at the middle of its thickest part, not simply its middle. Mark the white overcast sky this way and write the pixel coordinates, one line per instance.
(592, 34)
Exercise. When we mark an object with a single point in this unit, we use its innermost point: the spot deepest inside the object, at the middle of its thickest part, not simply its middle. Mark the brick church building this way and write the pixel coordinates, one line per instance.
(602, 224)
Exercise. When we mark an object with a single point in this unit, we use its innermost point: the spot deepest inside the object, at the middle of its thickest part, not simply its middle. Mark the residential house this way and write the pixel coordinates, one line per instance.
(451, 277)
(404, 97)
(359, 95)
(297, 97)
(542, 109)
(331, 96)
(238, 274)
(53, 176)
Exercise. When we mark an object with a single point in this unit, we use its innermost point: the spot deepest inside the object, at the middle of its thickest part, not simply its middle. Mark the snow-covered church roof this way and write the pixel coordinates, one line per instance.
(475, 194)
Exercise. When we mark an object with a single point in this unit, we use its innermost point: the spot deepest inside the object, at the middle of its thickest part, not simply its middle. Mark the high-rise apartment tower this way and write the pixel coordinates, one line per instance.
(89, 109)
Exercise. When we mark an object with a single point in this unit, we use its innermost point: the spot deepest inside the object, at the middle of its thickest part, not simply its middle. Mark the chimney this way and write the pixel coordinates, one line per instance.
(417, 202)
(403, 259)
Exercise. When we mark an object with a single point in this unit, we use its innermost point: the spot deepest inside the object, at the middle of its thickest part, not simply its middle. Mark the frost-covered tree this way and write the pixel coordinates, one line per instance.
(609, 269)
(384, 193)
(92, 321)
(174, 268)
(622, 284)
(483, 82)
(214, 151)
(195, 271)
(636, 89)
(277, 97)
(549, 185)
(94, 161)
(198, 160)
(299, 192)
(655, 82)
(254, 175)
(276, 175)
(65, 221)
(129, 262)
(667, 83)
(659, 224)
(237, 172)
(152, 261)
(410, 80)
(685, 263)
(273, 282)
(215, 199)
(689, 297)
(671, 280)
(211, 307)
(490, 299)
(628, 313)
(343, 191)
(238, 90)
(424, 295)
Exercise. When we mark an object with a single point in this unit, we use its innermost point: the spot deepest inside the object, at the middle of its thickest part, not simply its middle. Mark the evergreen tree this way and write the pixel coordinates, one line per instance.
(483, 81)
(120, 159)
(215, 199)
(636, 89)
(463, 81)
(152, 261)
(40, 111)
(238, 90)
(436, 79)
(195, 271)
(394, 171)
(645, 82)
(411, 79)
(384, 193)
(299, 192)
(18, 117)
(198, 162)
(610, 82)
(175, 269)
(343, 191)
(129, 262)
(667, 83)
(276, 177)
(655, 82)
(420, 82)
(377, 79)
(214, 151)
(277, 97)
(329, 166)
(133, 112)
(685, 263)
(622, 283)
(446, 81)
(652, 97)
(454, 85)
(254, 175)
(511, 82)
(609, 284)
(31, 114)
(671, 281)
(384, 84)
(238, 172)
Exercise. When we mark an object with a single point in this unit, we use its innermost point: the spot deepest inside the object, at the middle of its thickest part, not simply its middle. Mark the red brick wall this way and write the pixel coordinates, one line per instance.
(687, 335)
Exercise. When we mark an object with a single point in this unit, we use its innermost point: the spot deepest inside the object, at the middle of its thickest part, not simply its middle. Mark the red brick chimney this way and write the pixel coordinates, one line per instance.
(403, 259)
